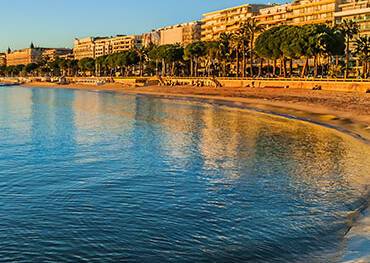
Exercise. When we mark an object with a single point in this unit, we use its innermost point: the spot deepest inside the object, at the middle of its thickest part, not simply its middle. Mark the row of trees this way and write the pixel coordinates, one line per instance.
(251, 51)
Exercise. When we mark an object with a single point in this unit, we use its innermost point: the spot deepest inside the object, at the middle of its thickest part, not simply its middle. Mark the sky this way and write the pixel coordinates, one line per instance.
(56, 23)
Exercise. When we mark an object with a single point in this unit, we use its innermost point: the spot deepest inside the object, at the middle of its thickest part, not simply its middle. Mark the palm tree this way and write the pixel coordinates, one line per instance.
(244, 34)
(251, 27)
(142, 53)
(212, 48)
(362, 51)
(224, 50)
(193, 52)
(236, 45)
(349, 29)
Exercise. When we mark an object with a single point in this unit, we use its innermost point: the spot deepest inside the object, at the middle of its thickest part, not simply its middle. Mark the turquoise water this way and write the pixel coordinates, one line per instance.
(102, 177)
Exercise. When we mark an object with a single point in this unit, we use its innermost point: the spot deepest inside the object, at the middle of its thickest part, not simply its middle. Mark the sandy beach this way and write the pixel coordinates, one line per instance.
(347, 111)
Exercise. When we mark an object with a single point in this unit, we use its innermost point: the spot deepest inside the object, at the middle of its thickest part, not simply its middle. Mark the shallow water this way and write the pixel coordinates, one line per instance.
(92, 177)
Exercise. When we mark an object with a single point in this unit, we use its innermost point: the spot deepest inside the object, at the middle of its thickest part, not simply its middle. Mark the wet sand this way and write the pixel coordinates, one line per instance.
(346, 111)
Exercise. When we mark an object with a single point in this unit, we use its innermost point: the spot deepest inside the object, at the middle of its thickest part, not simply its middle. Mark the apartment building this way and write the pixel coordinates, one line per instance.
(312, 12)
(273, 16)
(227, 20)
(357, 10)
(2, 59)
(125, 43)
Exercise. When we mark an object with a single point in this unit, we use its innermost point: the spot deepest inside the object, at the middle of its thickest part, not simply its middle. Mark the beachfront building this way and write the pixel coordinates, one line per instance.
(34, 55)
(2, 59)
(124, 43)
(84, 48)
(102, 47)
(357, 10)
(273, 15)
(93, 47)
(227, 20)
(312, 12)
(182, 34)
(23, 56)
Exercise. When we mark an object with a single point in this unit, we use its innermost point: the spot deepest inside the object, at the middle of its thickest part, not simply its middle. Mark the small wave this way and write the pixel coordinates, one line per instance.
(358, 240)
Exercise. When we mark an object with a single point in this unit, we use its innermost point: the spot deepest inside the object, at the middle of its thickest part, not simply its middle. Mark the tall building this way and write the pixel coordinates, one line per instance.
(273, 16)
(312, 12)
(102, 47)
(125, 43)
(182, 34)
(2, 59)
(227, 20)
(357, 10)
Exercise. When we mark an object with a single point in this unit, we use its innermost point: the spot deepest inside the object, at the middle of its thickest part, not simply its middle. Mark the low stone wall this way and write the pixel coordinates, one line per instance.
(299, 84)
(334, 85)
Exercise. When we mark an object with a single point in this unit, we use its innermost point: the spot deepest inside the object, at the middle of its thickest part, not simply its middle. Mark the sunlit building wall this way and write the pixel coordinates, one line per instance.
(227, 20)
(359, 11)
(273, 16)
(312, 12)
(182, 34)
(23, 56)
(125, 43)
(84, 48)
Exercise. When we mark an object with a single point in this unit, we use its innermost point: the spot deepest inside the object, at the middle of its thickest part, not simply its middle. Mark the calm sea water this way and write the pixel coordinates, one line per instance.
(101, 177)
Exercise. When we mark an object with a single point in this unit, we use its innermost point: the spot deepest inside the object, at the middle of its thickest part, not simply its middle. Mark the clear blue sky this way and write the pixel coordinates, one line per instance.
(56, 23)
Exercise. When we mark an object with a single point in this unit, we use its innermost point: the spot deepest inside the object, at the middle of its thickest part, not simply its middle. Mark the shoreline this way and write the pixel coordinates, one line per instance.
(347, 112)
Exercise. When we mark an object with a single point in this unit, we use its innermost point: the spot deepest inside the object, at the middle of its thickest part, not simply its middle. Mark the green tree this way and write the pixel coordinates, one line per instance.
(224, 51)
(251, 28)
(87, 65)
(268, 45)
(193, 52)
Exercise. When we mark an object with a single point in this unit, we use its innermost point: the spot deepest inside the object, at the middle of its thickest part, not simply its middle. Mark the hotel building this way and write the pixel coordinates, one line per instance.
(84, 48)
(93, 47)
(23, 56)
(357, 10)
(273, 16)
(227, 20)
(102, 47)
(33, 55)
(125, 43)
(312, 12)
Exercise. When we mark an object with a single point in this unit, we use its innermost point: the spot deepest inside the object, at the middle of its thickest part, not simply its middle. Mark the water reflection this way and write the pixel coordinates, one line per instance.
(149, 180)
